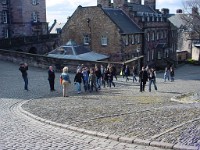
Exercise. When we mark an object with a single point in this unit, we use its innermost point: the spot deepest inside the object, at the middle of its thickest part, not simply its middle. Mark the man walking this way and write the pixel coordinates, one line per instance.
(51, 78)
(143, 76)
(23, 68)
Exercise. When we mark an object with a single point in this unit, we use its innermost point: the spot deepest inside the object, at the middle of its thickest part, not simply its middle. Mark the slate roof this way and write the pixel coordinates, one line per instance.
(176, 20)
(141, 8)
(76, 52)
(125, 24)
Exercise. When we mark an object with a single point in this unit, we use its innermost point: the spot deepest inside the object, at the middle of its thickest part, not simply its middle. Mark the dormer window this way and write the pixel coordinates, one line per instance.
(4, 2)
(34, 2)
(35, 17)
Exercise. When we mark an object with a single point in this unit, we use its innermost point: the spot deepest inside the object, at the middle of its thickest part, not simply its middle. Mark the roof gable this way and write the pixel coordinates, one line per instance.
(126, 25)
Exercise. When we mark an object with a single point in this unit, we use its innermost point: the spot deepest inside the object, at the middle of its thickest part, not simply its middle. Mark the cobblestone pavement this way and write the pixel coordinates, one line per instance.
(19, 132)
(122, 111)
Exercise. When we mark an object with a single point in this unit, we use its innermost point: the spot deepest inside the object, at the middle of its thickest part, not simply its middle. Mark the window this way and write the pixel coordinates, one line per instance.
(157, 19)
(152, 55)
(165, 34)
(148, 18)
(157, 36)
(132, 39)
(153, 19)
(34, 2)
(143, 18)
(161, 34)
(125, 39)
(153, 36)
(104, 40)
(35, 17)
(137, 38)
(4, 2)
(148, 55)
(86, 40)
(6, 33)
(148, 36)
(159, 55)
(4, 17)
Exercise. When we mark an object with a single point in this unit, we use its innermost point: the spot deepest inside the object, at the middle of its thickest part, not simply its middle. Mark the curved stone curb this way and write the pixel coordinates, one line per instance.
(107, 136)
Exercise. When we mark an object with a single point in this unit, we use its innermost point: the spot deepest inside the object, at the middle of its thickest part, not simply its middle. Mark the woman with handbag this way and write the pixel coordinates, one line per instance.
(65, 81)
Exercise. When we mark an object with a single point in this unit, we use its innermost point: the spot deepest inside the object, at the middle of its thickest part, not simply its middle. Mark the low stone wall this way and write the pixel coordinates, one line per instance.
(42, 61)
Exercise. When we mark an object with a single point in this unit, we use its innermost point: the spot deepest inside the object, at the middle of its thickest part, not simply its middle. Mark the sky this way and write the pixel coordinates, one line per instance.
(62, 9)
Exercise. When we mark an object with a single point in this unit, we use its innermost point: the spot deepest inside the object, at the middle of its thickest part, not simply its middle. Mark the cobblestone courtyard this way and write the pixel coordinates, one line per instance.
(121, 111)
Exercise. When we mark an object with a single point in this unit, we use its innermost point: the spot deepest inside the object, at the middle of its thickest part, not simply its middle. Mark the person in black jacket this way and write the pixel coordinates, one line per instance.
(78, 80)
(23, 68)
(143, 75)
(51, 78)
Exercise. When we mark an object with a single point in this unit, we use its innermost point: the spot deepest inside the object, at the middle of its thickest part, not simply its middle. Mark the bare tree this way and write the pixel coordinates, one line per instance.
(191, 17)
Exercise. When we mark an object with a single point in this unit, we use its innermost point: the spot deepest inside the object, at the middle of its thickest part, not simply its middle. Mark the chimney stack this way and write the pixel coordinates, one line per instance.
(104, 3)
(150, 3)
(119, 3)
(136, 2)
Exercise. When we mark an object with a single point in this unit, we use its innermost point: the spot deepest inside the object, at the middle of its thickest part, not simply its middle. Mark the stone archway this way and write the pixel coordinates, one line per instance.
(33, 50)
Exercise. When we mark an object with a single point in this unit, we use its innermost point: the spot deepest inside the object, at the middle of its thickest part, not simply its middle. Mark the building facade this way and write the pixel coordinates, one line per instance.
(124, 30)
(22, 18)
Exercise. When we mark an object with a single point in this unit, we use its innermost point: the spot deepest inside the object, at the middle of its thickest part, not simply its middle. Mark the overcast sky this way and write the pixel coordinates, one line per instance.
(62, 9)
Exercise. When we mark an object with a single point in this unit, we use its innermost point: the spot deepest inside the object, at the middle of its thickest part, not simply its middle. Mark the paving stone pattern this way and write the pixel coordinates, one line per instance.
(121, 111)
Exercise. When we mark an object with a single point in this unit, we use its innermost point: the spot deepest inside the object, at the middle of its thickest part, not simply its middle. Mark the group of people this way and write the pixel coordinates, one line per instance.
(92, 78)
(169, 74)
(95, 77)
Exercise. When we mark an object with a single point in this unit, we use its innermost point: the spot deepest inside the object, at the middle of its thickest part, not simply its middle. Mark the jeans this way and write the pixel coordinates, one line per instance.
(134, 78)
(166, 76)
(142, 85)
(154, 83)
(111, 82)
(86, 85)
(78, 87)
(99, 83)
(25, 82)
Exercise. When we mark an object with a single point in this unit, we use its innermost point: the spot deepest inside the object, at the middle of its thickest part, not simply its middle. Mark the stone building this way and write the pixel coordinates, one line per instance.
(127, 31)
(22, 18)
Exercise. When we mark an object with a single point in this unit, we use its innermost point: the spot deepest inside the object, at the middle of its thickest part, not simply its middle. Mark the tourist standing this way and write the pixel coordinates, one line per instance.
(166, 74)
(134, 73)
(65, 81)
(152, 79)
(92, 80)
(85, 78)
(98, 77)
(127, 72)
(78, 80)
(172, 74)
(23, 68)
(143, 76)
(51, 78)
(110, 77)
